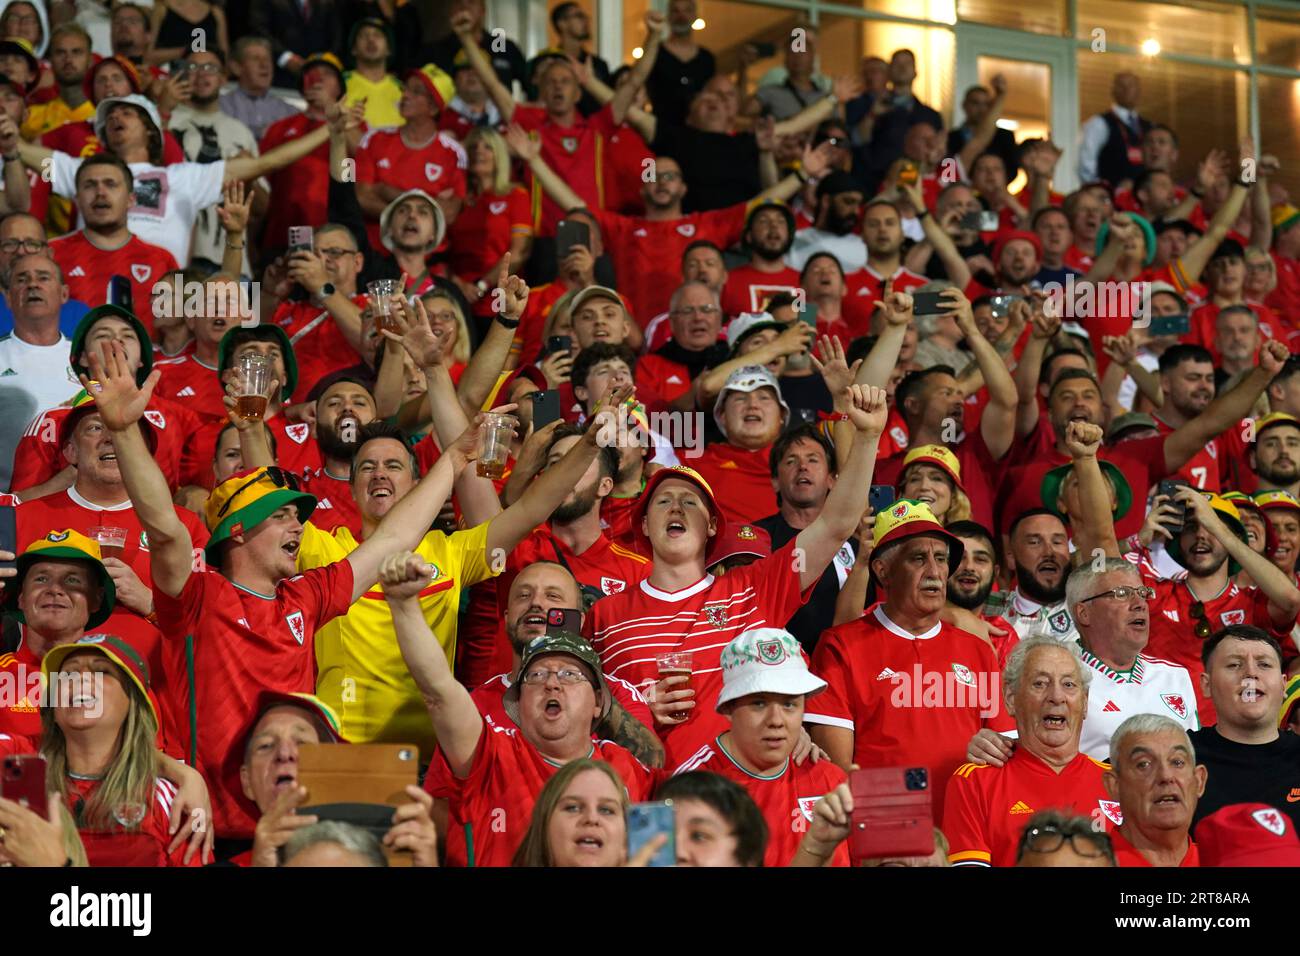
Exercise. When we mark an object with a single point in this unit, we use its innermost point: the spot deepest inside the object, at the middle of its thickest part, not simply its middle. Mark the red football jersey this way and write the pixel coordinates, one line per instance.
(495, 802)
(295, 450)
(747, 289)
(647, 253)
(11, 745)
(20, 708)
(38, 457)
(299, 191)
(786, 798)
(189, 383)
(88, 269)
(910, 699)
(660, 381)
(1126, 854)
(576, 153)
(625, 162)
(146, 846)
(236, 643)
(604, 566)
(616, 519)
(630, 629)
(1203, 469)
(435, 166)
(335, 506)
(319, 345)
(482, 233)
(865, 287)
(986, 808)
(744, 477)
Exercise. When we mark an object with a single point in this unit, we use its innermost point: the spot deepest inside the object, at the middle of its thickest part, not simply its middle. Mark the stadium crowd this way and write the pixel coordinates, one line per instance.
(830, 469)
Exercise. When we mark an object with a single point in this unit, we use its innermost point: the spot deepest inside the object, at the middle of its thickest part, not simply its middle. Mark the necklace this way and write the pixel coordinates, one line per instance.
(85, 776)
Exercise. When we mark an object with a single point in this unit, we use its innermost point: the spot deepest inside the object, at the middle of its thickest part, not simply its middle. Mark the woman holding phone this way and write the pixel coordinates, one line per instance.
(98, 743)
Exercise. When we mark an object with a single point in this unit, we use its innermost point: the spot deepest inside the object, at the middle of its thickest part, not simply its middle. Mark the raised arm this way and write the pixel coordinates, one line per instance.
(954, 265)
(1094, 529)
(121, 404)
(654, 34)
(1197, 256)
(998, 421)
(843, 89)
(17, 187)
(819, 542)
(1261, 210)
(251, 167)
(456, 720)
(462, 24)
(1226, 410)
(530, 151)
(982, 134)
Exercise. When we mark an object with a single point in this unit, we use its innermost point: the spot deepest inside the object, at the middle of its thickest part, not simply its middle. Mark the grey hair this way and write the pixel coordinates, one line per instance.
(1149, 724)
(1019, 656)
(680, 292)
(244, 42)
(352, 838)
(1079, 585)
(926, 324)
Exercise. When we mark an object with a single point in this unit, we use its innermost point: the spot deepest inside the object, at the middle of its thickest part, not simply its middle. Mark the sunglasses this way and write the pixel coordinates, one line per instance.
(278, 476)
(1197, 611)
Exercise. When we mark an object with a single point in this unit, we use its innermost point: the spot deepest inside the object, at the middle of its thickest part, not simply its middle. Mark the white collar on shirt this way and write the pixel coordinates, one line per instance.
(893, 628)
(91, 506)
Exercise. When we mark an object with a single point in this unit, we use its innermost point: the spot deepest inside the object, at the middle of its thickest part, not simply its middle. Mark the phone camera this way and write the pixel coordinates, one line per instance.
(916, 778)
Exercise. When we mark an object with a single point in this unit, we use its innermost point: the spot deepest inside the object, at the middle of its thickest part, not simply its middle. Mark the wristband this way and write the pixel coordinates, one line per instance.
(922, 213)
(832, 416)
(801, 175)
(508, 323)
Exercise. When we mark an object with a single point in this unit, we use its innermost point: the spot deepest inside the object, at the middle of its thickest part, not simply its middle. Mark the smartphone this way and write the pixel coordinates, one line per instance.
(929, 303)
(764, 51)
(1167, 487)
(22, 780)
(809, 314)
(893, 814)
(881, 497)
(564, 619)
(300, 239)
(1001, 305)
(645, 821)
(546, 407)
(983, 221)
(359, 784)
(570, 233)
(559, 343)
(1178, 324)
(119, 292)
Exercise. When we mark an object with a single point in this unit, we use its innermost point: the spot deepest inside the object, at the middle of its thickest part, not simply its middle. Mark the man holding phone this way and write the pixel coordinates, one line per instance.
(765, 688)
(560, 698)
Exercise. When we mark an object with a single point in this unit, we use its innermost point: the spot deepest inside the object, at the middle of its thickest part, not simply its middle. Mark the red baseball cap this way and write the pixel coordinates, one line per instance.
(1012, 235)
(681, 473)
(739, 539)
(1248, 834)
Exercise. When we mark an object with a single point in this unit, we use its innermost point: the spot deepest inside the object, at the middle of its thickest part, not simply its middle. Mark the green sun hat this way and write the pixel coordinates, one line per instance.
(65, 545)
(261, 492)
(1050, 490)
(102, 311)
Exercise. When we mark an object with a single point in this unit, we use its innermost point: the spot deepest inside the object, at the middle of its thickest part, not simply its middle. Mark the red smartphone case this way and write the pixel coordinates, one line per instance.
(888, 819)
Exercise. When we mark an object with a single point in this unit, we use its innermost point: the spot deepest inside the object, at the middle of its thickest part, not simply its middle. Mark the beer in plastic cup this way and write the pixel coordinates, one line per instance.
(380, 290)
(494, 445)
(254, 378)
(112, 541)
(676, 664)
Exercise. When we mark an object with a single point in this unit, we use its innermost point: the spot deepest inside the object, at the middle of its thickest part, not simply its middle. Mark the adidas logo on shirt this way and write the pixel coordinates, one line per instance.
(674, 380)
(1022, 807)
(78, 271)
(887, 674)
(186, 392)
(1110, 708)
(7, 371)
(383, 163)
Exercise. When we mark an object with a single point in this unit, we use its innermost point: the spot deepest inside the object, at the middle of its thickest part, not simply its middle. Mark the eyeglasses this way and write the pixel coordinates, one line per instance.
(335, 253)
(203, 67)
(1123, 594)
(692, 310)
(668, 177)
(279, 477)
(568, 675)
(29, 246)
(1049, 839)
(1197, 611)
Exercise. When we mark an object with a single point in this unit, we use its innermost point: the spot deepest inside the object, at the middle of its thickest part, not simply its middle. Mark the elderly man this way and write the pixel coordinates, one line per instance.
(664, 377)
(1053, 839)
(1045, 689)
(905, 687)
(268, 775)
(750, 414)
(1248, 758)
(560, 697)
(765, 689)
(34, 357)
(1157, 782)
(679, 514)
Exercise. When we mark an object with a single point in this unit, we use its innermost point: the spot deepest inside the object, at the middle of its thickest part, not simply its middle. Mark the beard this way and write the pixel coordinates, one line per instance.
(1036, 590)
(840, 225)
(1286, 474)
(205, 101)
(581, 503)
(332, 445)
(970, 602)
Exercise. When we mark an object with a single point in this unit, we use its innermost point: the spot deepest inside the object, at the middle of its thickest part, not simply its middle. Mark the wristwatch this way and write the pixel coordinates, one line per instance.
(324, 292)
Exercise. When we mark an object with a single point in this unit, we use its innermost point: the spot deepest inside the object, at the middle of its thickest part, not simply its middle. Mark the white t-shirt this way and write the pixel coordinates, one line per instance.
(849, 249)
(168, 199)
(32, 379)
(1152, 687)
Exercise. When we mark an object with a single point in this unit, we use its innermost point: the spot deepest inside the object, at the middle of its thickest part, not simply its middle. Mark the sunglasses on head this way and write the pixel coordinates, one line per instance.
(278, 476)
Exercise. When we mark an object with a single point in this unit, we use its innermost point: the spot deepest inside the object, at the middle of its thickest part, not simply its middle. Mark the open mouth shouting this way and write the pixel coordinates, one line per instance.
(286, 778)
(1056, 722)
(290, 548)
(675, 528)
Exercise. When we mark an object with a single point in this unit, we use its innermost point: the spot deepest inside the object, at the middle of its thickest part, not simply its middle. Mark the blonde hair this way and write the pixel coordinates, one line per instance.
(132, 774)
(461, 352)
(501, 184)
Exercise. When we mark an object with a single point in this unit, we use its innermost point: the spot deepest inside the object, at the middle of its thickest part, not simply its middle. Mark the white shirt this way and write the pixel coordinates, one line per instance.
(1093, 137)
(1152, 687)
(849, 249)
(1029, 617)
(168, 199)
(32, 379)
